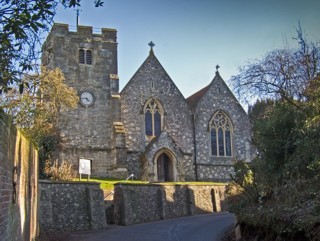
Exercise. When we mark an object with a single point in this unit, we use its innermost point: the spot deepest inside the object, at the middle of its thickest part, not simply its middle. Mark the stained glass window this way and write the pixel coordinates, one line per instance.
(157, 123)
(221, 143)
(153, 118)
(228, 142)
(221, 135)
(148, 121)
(214, 142)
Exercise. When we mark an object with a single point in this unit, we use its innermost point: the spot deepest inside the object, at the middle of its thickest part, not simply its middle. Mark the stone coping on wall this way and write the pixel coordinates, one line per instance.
(135, 184)
(171, 184)
(68, 182)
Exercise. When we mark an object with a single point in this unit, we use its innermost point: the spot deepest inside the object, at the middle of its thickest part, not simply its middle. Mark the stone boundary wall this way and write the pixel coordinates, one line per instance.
(67, 206)
(18, 184)
(136, 203)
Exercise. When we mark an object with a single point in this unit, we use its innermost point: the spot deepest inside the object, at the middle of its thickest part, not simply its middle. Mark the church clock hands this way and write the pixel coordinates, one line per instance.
(86, 98)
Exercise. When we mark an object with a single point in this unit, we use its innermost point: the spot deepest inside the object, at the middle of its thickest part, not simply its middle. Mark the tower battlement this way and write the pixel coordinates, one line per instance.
(106, 34)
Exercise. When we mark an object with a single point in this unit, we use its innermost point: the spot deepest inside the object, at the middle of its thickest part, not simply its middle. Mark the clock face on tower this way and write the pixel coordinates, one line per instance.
(86, 98)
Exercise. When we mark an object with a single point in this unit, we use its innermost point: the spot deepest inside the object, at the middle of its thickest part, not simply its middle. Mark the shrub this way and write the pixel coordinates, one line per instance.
(62, 172)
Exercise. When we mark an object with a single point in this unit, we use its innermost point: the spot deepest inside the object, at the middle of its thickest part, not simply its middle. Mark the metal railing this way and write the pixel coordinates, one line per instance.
(112, 192)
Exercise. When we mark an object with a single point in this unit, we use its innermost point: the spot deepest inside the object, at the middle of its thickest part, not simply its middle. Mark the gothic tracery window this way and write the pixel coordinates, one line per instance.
(153, 113)
(221, 135)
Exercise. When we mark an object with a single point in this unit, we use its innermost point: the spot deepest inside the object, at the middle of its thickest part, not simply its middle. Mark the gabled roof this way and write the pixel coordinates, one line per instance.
(195, 98)
(153, 61)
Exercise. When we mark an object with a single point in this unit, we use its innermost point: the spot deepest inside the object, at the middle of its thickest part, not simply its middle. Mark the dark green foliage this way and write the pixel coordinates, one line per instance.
(74, 3)
(274, 137)
(278, 192)
(47, 145)
(21, 23)
(282, 195)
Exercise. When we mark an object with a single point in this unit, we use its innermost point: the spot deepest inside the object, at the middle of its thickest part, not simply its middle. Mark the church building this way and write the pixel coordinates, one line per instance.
(149, 129)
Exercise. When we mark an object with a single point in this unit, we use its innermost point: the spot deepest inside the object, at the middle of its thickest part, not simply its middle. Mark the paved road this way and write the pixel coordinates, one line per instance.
(209, 227)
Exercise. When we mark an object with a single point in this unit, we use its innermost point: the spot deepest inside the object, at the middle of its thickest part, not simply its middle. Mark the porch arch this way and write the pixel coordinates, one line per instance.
(165, 166)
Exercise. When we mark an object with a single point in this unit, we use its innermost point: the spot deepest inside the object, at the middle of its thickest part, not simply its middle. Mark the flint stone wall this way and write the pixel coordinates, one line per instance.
(219, 98)
(67, 206)
(136, 203)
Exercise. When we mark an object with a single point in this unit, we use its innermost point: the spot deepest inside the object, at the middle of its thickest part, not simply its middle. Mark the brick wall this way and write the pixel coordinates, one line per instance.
(67, 206)
(153, 202)
(18, 203)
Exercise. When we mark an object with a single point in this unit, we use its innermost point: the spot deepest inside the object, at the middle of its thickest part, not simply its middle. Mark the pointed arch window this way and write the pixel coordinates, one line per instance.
(85, 56)
(221, 135)
(153, 114)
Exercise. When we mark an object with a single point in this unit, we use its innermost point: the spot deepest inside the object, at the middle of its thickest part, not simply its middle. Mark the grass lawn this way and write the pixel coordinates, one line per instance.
(108, 183)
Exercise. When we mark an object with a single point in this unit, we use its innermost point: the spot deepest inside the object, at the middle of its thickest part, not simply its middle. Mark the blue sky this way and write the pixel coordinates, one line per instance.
(193, 36)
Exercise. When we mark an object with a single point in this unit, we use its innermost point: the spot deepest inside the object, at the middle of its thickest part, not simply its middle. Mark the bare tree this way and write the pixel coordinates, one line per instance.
(280, 74)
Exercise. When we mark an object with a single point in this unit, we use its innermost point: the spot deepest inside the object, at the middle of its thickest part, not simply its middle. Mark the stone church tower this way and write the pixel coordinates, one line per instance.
(89, 63)
(149, 129)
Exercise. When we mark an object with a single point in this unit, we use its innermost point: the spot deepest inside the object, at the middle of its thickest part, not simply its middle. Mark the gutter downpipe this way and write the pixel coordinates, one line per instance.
(195, 147)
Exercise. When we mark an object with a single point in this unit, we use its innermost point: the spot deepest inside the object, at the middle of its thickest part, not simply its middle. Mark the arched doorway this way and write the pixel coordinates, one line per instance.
(165, 168)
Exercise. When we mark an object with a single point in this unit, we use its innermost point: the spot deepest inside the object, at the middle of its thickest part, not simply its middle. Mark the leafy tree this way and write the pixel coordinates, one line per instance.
(21, 25)
(37, 111)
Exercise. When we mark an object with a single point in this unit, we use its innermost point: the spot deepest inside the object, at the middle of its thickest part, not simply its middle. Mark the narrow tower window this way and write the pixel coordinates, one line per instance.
(88, 57)
(81, 56)
(221, 135)
(85, 56)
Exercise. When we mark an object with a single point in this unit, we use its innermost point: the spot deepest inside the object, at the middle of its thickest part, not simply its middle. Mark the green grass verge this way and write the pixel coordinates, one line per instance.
(108, 183)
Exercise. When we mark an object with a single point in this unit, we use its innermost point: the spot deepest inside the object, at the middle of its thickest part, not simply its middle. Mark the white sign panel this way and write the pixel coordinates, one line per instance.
(85, 166)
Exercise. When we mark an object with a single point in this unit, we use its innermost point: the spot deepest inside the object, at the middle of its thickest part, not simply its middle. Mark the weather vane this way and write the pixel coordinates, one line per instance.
(78, 14)
(217, 67)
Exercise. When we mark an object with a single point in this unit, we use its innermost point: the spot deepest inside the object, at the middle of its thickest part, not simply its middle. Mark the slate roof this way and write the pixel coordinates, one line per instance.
(195, 98)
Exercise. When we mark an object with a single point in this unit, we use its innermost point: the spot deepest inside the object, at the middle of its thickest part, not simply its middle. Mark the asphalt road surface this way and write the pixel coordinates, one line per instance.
(209, 227)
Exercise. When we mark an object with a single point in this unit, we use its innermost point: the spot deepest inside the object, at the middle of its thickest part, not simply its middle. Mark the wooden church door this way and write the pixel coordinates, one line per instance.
(164, 168)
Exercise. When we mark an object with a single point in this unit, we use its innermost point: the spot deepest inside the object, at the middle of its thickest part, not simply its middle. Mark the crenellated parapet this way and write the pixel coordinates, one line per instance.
(106, 34)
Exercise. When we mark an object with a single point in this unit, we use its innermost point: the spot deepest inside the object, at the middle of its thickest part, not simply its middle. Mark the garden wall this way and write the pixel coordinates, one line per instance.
(18, 184)
(137, 203)
(67, 206)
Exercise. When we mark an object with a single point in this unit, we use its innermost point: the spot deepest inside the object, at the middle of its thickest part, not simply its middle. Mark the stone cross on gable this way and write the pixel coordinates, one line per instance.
(151, 44)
